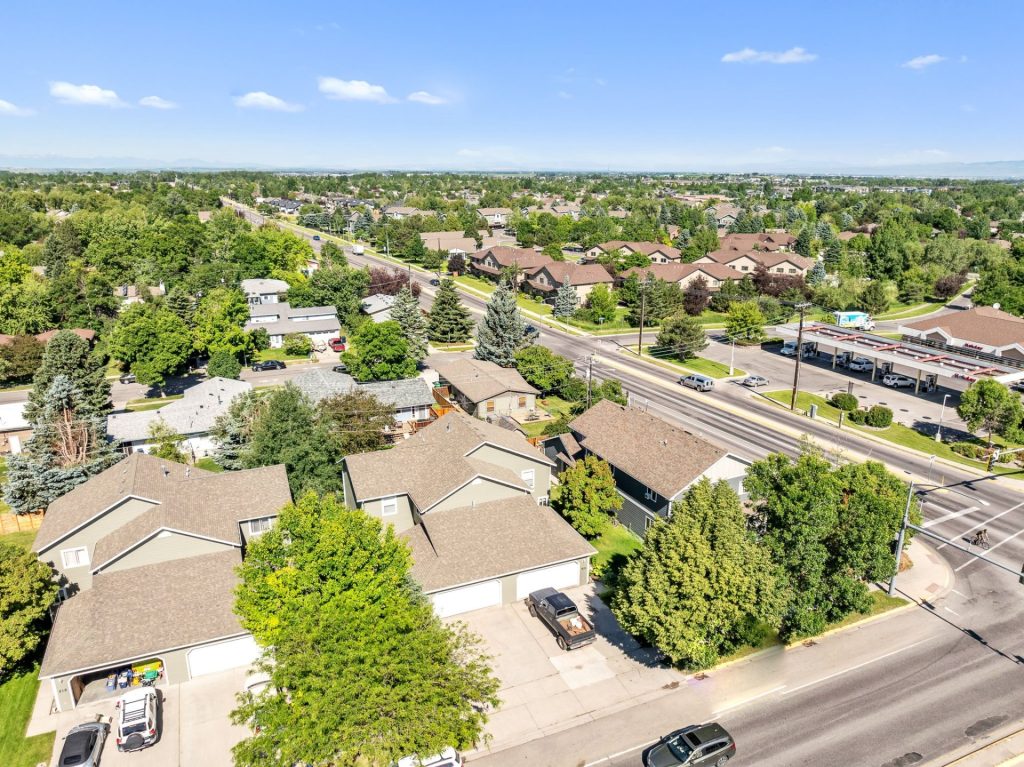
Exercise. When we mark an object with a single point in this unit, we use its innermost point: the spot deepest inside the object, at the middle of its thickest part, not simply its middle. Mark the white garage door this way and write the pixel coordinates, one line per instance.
(557, 577)
(222, 656)
(462, 600)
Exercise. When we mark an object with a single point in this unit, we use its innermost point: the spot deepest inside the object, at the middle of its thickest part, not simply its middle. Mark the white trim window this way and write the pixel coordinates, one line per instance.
(77, 557)
(389, 506)
(529, 477)
(650, 495)
(260, 526)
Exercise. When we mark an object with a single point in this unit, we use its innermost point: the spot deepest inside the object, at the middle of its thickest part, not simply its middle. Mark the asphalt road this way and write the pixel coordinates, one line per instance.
(957, 679)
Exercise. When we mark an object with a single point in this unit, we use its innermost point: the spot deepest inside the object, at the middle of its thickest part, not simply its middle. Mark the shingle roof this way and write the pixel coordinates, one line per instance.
(647, 248)
(655, 453)
(766, 258)
(193, 414)
(506, 256)
(474, 543)
(231, 494)
(378, 302)
(140, 612)
(677, 272)
(286, 322)
(478, 380)
(981, 325)
(320, 384)
(760, 240)
(578, 274)
(255, 286)
(436, 460)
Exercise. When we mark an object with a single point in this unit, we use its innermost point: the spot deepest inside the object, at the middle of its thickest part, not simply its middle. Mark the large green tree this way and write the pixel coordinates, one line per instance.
(449, 320)
(990, 406)
(355, 422)
(152, 340)
(586, 496)
(745, 322)
(703, 584)
(544, 369)
(27, 590)
(502, 332)
(406, 312)
(379, 352)
(681, 336)
(362, 672)
(219, 322)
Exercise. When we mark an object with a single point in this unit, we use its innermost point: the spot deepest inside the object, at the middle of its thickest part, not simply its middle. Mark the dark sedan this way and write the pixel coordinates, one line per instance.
(267, 365)
(701, 745)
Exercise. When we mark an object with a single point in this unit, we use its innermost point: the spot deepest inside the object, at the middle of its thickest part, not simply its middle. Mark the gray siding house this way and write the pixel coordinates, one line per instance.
(410, 397)
(471, 500)
(146, 553)
(653, 462)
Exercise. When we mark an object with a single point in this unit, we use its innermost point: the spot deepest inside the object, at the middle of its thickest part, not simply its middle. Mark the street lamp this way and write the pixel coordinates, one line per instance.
(942, 413)
(899, 538)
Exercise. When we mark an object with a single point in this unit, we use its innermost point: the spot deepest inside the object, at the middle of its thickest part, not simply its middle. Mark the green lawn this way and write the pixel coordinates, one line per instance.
(209, 464)
(532, 304)
(556, 406)
(469, 281)
(613, 546)
(458, 347)
(617, 323)
(25, 538)
(150, 403)
(279, 354)
(709, 317)
(700, 365)
(17, 696)
(898, 434)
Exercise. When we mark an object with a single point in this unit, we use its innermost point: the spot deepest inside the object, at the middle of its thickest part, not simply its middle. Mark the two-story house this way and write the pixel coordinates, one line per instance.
(497, 218)
(492, 261)
(655, 251)
(685, 274)
(484, 389)
(470, 498)
(545, 281)
(146, 555)
(264, 291)
(319, 323)
(778, 262)
(653, 461)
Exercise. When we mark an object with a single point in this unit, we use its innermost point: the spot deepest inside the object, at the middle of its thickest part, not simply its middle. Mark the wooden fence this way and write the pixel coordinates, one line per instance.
(19, 523)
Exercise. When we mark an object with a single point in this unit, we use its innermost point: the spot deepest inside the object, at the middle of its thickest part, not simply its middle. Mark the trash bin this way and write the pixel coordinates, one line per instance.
(813, 412)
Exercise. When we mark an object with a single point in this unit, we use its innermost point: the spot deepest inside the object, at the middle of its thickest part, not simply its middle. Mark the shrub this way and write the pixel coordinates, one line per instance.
(858, 416)
(224, 364)
(296, 344)
(968, 449)
(879, 417)
(844, 401)
(574, 390)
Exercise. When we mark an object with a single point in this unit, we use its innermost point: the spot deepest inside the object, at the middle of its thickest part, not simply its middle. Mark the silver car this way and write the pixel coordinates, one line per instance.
(698, 382)
(754, 381)
(83, 745)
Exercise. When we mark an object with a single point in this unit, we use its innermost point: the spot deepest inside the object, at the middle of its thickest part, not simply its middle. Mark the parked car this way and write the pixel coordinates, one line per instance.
(83, 745)
(137, 719)
(554, 608)
(698, 382)
(267, 365)
(319, 346)
(127, 378)
(316, 237)
(340, 368)
(337, 344)
(788, 349)
(862, 365)
(435, 282)
(897, 381)
(447, 758)
(531, 331)
(754, 381)
(701, 745)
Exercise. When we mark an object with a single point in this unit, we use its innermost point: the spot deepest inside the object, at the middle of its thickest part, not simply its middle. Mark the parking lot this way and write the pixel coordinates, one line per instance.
(544, 690)
(195, 726)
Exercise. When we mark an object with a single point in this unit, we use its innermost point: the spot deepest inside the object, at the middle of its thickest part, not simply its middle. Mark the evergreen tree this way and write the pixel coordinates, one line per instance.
(702, 584)
(449, 321)
(182, 303)
(566, 300)
(817, 274)
(834, 255)
(69, 355)
(362, 671)
(805, 241)
(502, 332)
(232, 431)
(406, 312)
(681, 336)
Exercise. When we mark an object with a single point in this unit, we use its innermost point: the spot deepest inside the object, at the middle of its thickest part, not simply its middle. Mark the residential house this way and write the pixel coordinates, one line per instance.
(770, 241)
(658, 253)
(319, 323)
(192, 417)
(470, 499)
(44, 338)
(146, 554)
(452, 243)
(288, 207)
(546, 280)
(492, 261)
(398, 212)
(653, 461)
(984, 329)
(411, 398)
(497, 218)
(14, 428)
(725, 214)
(777, 262)
(264, 291)
(129, 294)
(378, 306)
(685, 274)
(483, 389)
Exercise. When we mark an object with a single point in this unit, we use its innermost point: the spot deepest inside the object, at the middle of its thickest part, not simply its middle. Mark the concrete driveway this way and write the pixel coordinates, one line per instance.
(195, 726)
(544, 690)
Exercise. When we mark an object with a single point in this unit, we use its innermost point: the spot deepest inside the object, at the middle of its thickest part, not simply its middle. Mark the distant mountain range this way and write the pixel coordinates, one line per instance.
(998, 169)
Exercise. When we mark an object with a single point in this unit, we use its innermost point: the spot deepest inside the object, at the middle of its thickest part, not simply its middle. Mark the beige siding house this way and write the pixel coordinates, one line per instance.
(483, 389)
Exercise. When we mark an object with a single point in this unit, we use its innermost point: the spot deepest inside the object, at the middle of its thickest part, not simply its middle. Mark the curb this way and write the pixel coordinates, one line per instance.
(983, 756)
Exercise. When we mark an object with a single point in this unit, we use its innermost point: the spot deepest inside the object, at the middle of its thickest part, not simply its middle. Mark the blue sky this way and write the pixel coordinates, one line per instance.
(590, 85)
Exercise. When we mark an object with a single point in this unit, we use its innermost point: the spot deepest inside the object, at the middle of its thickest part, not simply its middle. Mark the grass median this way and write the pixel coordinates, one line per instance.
(701, 365)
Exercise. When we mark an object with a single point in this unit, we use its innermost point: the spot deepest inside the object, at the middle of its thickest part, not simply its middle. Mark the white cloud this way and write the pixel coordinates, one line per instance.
(353, 90)
(92, 95)
(263, 100)
(155, 102)
(750, 56)
(423, 97)
(12, 110)
(564, 95)
(920, 62)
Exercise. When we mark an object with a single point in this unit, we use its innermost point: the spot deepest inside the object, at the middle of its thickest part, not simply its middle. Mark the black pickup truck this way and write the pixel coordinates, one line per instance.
(559, 612)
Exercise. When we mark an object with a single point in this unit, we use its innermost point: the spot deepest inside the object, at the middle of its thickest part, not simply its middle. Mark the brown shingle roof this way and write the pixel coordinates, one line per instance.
(655, 453)
(507, 256)
(981, 325)
(647, 248)
(479, 380)
(578, 274)
(488, 540)
(759, 241)
(677, 272)
(140, 612)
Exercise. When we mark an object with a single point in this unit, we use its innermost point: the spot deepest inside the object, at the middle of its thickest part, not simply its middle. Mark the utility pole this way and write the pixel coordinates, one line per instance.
(802, 308)
(590, 378)
(643, 309)
(899, 538)
(732, 356)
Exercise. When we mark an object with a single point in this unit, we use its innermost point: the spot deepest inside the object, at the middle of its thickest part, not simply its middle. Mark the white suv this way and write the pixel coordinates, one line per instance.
(136, 719)
(861, 364)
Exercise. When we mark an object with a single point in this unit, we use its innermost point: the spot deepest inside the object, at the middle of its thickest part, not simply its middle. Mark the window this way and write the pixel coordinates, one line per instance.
(522, 402)
(490, 406)
(77, 557)
(260, 526)
(647, 523)
(389, 506)
(650, 495)
(529, 477)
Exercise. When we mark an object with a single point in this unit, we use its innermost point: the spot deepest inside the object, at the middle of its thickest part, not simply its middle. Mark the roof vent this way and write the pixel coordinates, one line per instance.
(188, 471)
(664, 443)
(165, 470)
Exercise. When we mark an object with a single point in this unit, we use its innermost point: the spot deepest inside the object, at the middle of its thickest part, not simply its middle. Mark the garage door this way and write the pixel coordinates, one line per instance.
(221, 656)
(462, 600)
(557, 577)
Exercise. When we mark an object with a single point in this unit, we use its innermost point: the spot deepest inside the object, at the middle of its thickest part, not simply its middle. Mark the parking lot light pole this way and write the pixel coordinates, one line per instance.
(900, 537)
(942, 413)
(732, 355)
